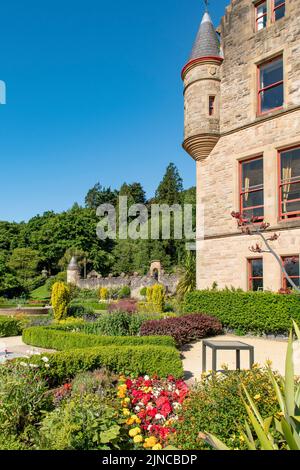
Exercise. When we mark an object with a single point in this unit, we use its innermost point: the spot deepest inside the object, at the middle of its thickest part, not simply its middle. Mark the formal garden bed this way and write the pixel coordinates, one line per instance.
(115, 380)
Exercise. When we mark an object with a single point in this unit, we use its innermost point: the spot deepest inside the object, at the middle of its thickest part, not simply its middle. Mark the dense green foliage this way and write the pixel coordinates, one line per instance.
(134, 359)
(216, 406)
(52, 338)
(9, 327)
(258, 312)
(86, 422)
(22, 397)
(48, 240)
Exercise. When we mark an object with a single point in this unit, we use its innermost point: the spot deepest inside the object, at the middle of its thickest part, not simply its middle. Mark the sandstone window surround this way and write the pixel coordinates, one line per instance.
(291, 264)
(251, 177)
(255, 274)
(270, 85)
(289, 183)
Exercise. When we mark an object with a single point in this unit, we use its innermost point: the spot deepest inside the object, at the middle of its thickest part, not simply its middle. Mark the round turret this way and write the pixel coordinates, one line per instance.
(73, 271)
(202, 78)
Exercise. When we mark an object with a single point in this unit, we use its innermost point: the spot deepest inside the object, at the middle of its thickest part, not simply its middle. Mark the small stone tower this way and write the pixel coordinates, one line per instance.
(202, 77)
(73, 272)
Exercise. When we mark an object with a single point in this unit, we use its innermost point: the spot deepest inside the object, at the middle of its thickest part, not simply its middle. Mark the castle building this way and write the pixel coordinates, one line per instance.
(242, 127)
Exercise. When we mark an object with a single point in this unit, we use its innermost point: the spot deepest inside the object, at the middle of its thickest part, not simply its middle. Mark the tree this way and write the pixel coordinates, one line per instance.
(24, 261)
(187, 281)
(254, 226)
(134, 192)
(60, 299)
(100, 195)
(170, 188)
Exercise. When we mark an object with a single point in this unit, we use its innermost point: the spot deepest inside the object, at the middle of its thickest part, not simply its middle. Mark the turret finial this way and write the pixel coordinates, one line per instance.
(206, 4)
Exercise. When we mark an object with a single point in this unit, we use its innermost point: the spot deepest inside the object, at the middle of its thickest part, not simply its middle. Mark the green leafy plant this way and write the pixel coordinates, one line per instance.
(258, 312)
(10, 327)
(85, 422)
(216, 405)
(286, 423)
(187, 281)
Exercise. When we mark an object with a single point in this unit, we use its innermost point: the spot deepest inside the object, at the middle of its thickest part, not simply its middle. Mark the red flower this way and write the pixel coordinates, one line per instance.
(166, 409)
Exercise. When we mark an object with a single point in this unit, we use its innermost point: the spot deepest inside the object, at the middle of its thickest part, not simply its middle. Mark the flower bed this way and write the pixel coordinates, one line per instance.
(151, 407)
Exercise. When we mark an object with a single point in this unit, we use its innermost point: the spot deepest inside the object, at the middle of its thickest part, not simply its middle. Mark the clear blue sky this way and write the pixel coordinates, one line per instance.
(93, 94)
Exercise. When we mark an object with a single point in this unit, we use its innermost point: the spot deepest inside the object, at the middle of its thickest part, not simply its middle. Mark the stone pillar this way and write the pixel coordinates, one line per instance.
(73, 272)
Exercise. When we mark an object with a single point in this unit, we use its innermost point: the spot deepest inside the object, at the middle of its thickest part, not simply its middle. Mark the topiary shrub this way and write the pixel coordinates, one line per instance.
(143, 292)
(124, 292)
(257, 312)
(183, 329)
(216, 406)
(60, 299)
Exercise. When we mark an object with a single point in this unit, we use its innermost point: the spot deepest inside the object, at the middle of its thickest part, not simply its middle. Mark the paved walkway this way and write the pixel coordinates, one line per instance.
(265, 350)
(16, 346)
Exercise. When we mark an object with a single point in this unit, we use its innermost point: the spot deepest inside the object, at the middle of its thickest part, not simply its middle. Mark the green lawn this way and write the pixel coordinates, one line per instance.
(41, 293)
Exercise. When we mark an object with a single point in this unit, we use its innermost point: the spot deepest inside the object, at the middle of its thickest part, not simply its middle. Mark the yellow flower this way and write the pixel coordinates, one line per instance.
(138, 439)
(126, 412)
(257, 397)
(242, 439)
(130, 421)
(157, 447)
(150, 442)
(134, 432)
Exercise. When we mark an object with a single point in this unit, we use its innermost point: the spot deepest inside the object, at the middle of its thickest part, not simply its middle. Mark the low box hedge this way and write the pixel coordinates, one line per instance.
(50, 338)
(259, 312)
(9, 327)
(137, 360)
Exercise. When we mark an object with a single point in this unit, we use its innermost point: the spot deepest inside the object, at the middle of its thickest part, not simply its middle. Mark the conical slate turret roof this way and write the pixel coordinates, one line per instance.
(73, 263)
(207, 42)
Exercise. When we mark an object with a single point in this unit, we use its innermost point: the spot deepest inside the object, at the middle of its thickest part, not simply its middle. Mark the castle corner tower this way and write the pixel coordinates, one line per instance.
(201, 77)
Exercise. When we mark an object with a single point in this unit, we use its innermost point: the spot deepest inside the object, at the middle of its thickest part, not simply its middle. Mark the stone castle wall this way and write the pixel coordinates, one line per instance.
(136, 283)
(222, 256)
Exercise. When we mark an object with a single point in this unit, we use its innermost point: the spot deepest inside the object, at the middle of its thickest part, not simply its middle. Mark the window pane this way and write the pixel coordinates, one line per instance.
(257, 285)
(271, 73)
(279, 12)
(290, 165)
(253, 199)
(292, 266)
(252, 174)
(257, 267)
(261, 16)
(272, 98)
(256, 212)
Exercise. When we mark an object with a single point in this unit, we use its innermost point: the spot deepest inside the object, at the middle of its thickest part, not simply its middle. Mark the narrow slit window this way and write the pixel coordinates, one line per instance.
(271, 86)
(278, 9)
(211, 106)
(261, 14)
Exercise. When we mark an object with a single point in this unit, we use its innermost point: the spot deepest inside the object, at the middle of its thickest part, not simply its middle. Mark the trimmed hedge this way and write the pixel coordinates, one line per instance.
(183, 329)
(161, 361)
(50, 338)
(259, 312)
(9, 327)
